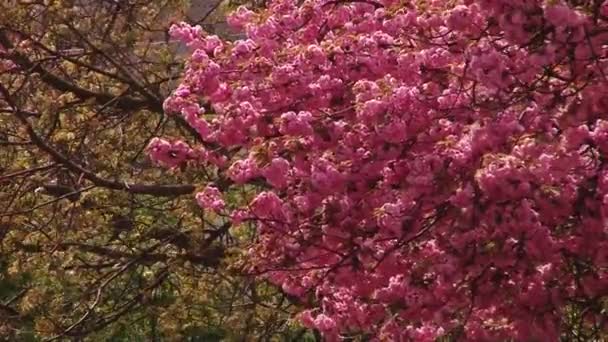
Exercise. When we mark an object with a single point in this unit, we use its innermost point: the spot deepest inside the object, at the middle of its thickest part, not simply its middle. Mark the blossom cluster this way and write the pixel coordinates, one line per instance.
(430, 168)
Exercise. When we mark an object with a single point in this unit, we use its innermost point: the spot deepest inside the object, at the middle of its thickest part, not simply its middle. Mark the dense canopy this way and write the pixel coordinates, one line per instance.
(385, 170)
(418, 169)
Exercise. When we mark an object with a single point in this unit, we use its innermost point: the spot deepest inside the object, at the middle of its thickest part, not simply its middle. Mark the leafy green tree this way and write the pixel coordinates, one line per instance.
(97, 243)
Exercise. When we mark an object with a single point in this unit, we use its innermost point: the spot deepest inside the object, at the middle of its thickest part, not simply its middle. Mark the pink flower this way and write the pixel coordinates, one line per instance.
(324, 323)
(212, 44)
(243, 170)
(296, 124)
(604, 9)
(190, 114)
(276, 172)
(210, 198)
(170, 154)
(395, 131)
(459, 18)
(391, 218)
(562, 15)
(243, 47)
(185, 32)
(325, 177)
(240, 17)
(267, 205)
(315, 55)
(371, 110)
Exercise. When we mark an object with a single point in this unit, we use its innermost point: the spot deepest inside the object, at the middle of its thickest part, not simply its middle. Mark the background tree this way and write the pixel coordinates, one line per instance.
(96, 242)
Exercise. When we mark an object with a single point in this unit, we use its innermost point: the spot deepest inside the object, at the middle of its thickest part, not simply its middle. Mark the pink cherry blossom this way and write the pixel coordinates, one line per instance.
(210, 198)
(412, 172)
(276, 172)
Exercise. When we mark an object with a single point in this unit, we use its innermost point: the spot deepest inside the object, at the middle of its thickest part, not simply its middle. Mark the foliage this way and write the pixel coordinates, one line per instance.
(96, 242)
(419, 169)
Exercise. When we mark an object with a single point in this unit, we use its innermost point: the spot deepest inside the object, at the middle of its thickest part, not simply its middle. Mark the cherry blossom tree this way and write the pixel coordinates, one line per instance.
(96, 242)
(412, 170)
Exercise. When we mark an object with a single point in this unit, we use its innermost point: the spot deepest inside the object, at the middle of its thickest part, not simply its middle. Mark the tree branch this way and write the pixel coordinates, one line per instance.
(121, 102)
(156, 190)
